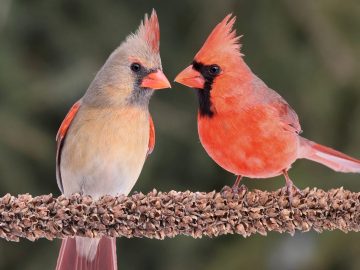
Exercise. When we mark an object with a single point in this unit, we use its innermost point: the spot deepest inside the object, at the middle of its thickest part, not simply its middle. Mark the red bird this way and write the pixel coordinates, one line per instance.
(105, 138)
(246, 127)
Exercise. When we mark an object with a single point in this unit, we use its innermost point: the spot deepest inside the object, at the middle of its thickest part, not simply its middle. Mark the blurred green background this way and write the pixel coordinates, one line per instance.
(309, 51)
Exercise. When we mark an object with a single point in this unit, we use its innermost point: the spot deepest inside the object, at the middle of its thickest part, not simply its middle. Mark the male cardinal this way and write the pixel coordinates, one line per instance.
(105, 138)
(246, 127)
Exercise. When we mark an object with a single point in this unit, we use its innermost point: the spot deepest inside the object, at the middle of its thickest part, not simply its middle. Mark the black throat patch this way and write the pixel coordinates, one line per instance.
(204, 94)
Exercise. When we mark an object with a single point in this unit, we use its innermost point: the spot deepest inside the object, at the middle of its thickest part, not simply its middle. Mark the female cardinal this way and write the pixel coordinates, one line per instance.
(103, 142)
(245, 126)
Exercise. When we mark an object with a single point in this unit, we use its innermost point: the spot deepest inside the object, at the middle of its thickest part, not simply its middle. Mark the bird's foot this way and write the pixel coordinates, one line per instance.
(297, 190)
(239, 189)
(236, 188)
(291, 191)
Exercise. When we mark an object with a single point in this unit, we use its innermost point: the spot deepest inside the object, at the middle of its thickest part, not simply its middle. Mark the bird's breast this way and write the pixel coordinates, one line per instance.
(104, 151)
(250, 141)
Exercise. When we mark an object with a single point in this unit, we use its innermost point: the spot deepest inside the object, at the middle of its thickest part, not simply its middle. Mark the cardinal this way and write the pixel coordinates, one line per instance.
(105, 138)
(246, 127)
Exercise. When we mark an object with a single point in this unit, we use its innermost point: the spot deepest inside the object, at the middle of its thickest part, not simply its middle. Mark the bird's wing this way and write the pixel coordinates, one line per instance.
(287, 114)
(279, 107)
(60, 138)
(151, 136)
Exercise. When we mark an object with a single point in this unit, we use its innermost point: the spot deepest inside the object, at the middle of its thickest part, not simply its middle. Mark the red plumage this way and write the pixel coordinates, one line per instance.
(152, 31)
(245, 126)
(151, 136)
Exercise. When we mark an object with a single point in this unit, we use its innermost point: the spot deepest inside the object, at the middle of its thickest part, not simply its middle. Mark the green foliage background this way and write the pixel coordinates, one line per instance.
(308, 50)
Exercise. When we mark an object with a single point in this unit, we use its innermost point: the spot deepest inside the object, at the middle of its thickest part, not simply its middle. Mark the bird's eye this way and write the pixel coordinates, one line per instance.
(214, 70)
(136, 67)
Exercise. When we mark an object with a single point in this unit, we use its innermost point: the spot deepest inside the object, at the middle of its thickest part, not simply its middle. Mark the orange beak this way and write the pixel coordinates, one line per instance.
(190, 78)
(155, 80)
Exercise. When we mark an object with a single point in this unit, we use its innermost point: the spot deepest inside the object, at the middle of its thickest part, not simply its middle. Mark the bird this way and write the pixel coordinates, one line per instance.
(106, 136)
(246, 127)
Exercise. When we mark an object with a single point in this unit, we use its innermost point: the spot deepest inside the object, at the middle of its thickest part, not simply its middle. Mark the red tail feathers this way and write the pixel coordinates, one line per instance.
(71, 259)
(328, 157)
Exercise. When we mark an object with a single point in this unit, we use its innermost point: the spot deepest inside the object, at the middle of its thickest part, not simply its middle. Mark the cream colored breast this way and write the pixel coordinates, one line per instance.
(105, 151)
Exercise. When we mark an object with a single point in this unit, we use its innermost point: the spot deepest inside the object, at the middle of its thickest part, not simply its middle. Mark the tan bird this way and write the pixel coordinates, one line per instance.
(105, 138)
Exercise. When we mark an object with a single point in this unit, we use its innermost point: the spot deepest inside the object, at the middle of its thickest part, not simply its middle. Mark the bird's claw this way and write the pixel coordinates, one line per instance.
(239, 189)
(234, 190)
(291, 191)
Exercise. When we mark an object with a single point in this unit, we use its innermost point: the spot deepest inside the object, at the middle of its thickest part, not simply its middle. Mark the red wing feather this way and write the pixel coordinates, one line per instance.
(67, 121)
(151, 136)
(288, 116)
(61, 136)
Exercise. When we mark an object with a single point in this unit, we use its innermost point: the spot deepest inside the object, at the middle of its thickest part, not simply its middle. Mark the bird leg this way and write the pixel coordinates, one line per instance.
(291, 189)
(236, 188)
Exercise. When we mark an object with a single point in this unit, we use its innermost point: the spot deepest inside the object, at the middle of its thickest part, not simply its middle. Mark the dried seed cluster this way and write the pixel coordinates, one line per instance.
(159, 215)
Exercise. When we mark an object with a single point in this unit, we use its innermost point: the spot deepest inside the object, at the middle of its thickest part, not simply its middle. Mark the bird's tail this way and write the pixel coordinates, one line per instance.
(82, 253)
(329, 157)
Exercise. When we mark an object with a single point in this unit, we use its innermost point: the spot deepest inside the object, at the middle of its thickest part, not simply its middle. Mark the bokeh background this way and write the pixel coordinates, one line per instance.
(309, 51)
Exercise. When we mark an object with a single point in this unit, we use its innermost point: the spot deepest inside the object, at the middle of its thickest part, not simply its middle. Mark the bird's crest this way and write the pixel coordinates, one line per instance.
(149, 31)
(222, 39)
